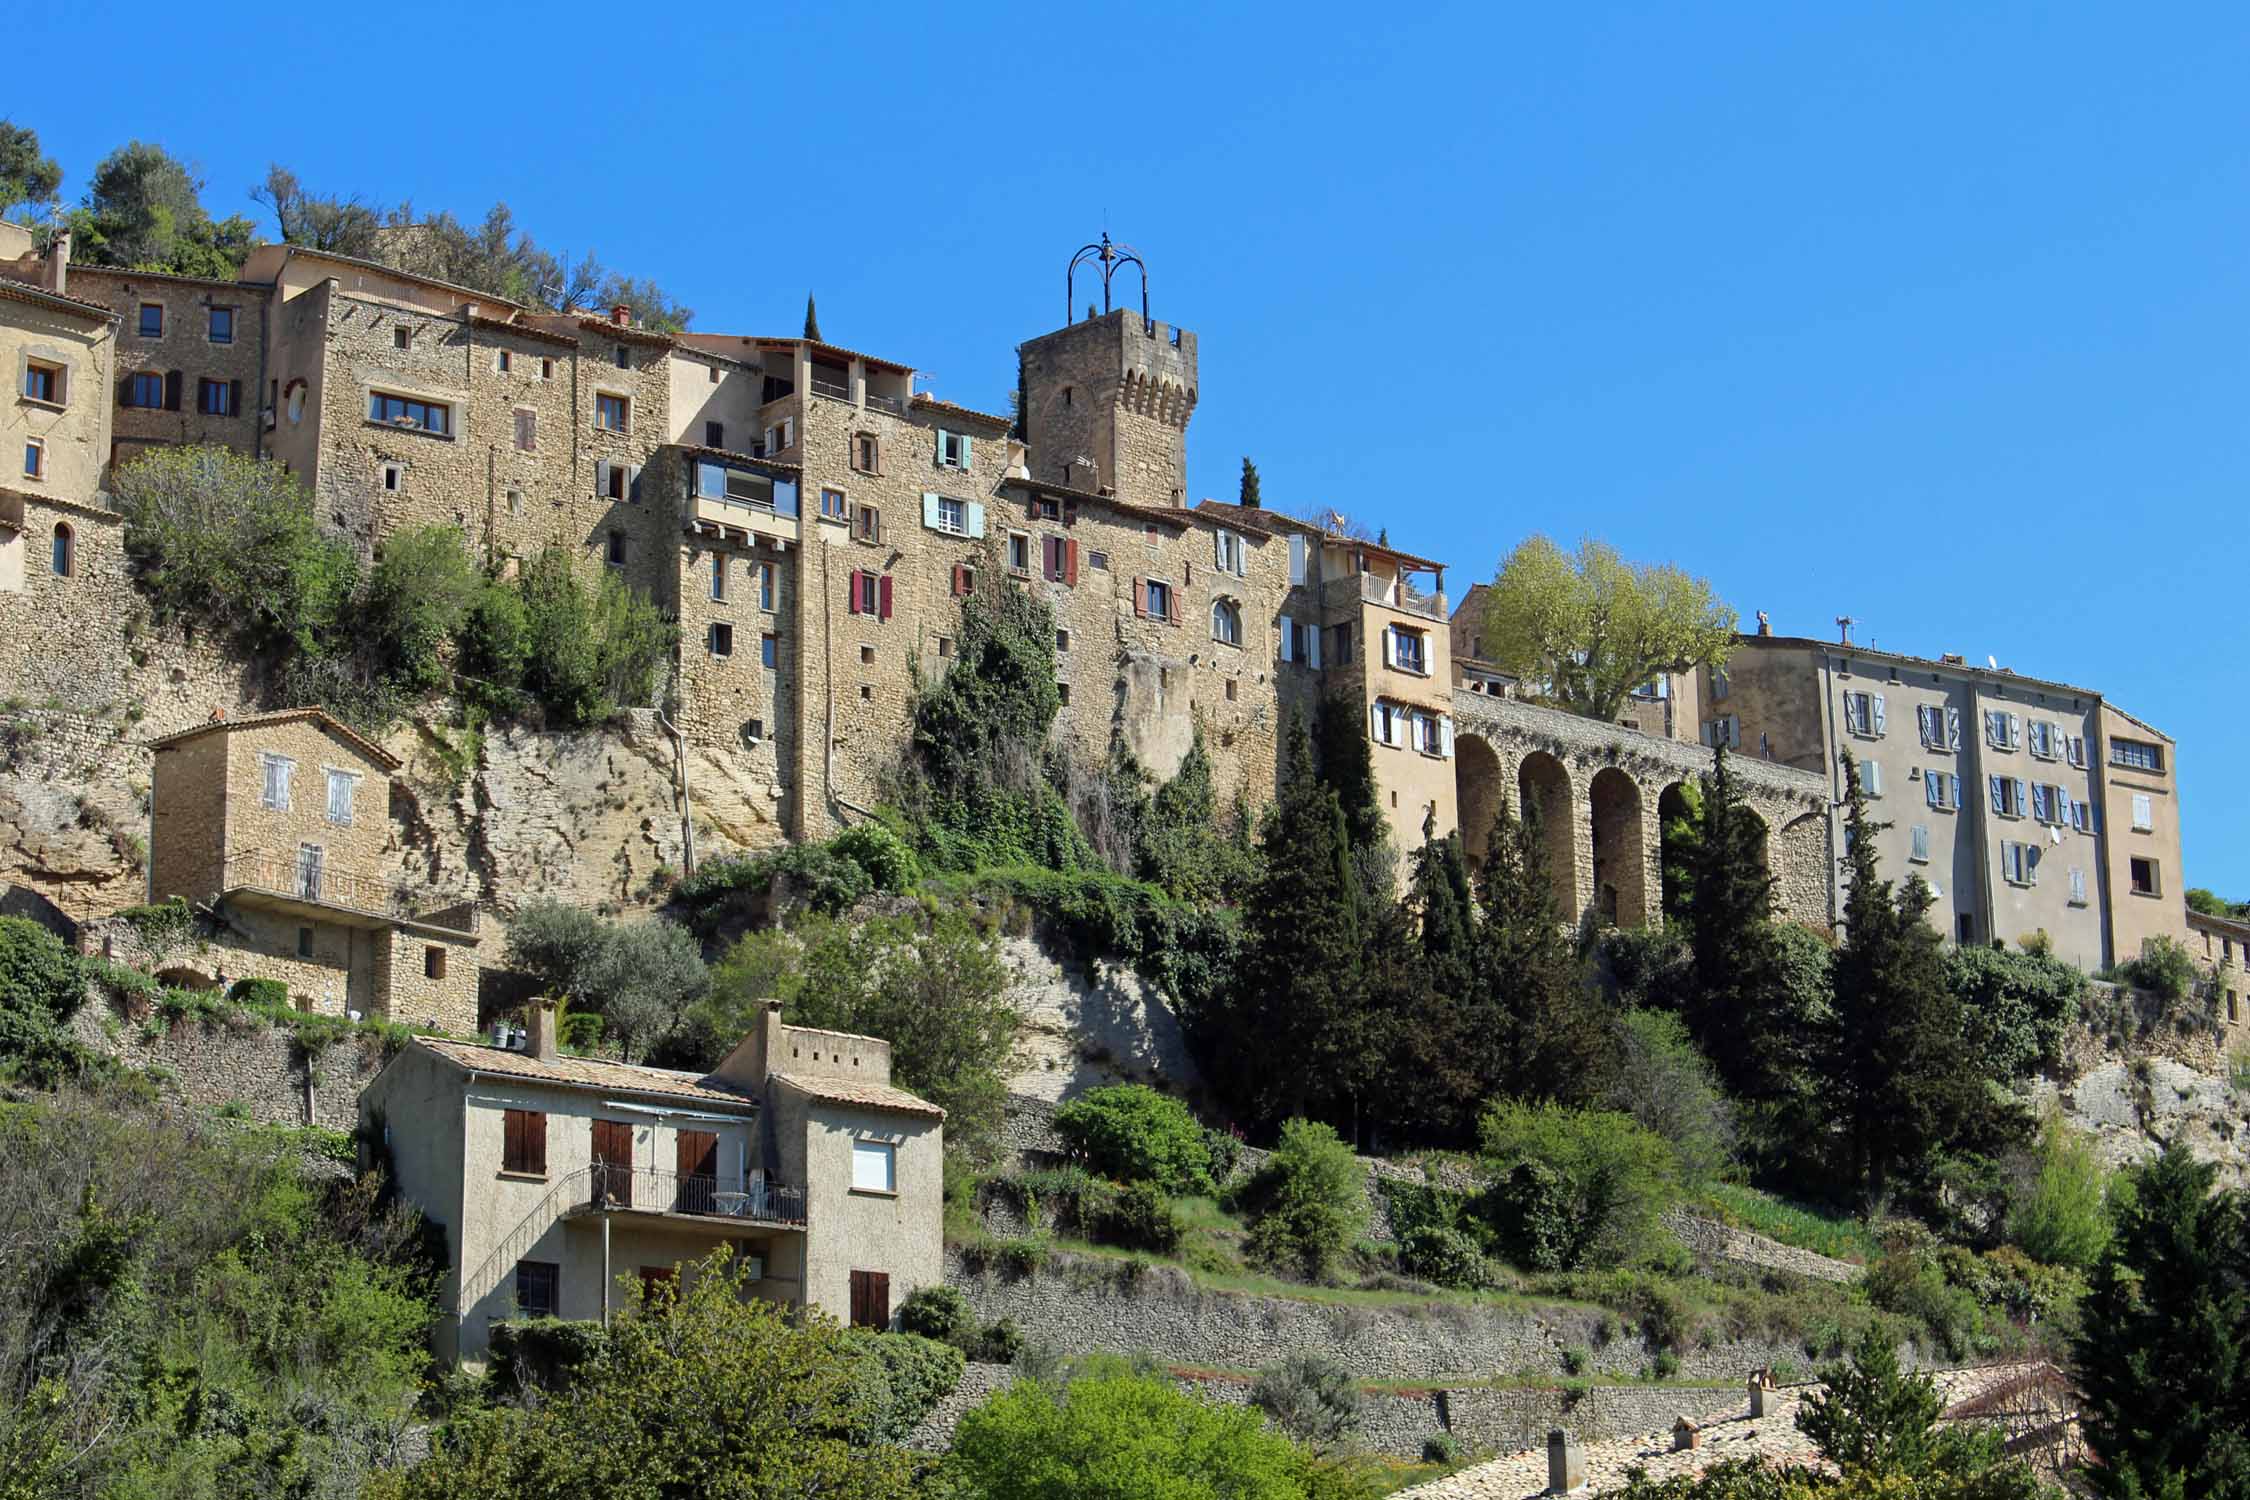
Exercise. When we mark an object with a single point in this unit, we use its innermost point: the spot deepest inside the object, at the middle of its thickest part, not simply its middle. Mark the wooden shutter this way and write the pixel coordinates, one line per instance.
(1140, 598)
(960, 580)
(535, 1141)
(857, 579)
(633, 484)
(601, 478)
(234, 398)
(871, 1299)
(1070, 562)
(883, 597)
(171, 390)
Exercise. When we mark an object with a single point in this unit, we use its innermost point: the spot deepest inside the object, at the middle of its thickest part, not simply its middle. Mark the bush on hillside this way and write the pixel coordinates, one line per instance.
(1311, 1397)
(2018, 1006)
(42, 983)
(1132, 1133)
(1311, 1201)
(1445, 1256)
(2061, 1215)
(1670, 1088)
(1142, 1218)
(899, 1380)
(1574, 1187)
(936, 1312)
(891, 865)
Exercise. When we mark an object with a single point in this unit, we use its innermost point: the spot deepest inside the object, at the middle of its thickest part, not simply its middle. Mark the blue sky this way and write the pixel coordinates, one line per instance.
(1935, 316)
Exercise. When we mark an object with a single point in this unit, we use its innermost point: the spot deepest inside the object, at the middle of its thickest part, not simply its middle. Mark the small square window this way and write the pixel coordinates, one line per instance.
(944, 646)
(867, 453)
(1230, 689)
(867, 656)
(714, 434)
(722, 638)
(1062, 640)
(433, 962)
(43, 382)
(502, 362)
(754, 730)
(34, 458)
(610, 412)
(537, 1284)
(867, 524)
(304, 942)
(952, 449)
(546, 369)
(152, 320)
(1062, 693)
(402, 337)
(769, 651)
(833, 506)
(394, 478)
(2144, 877)
(1019, 552)
(1098, 561)
(222, 325)
(866, 693)
(617, 549)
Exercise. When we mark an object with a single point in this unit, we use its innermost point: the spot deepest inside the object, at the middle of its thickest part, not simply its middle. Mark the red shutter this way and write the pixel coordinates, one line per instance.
(883, 608)
(535, 1142)
(878, 1299)
(1070, 562)
(856, 577)
(511, 1140)
(1140, 597)
(960, 580)
(859, 1299)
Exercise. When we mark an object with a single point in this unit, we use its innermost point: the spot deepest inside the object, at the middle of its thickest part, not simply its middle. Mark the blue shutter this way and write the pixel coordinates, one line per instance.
(966, 456)
(976, 519)
(930, 509)
(1930, 789)
(1999, 798)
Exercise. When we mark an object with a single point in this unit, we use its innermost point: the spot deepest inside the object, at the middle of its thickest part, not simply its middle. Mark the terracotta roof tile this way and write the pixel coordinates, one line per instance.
(39, 296)
(869, 1095)
(932, 403)
(588, 1073)
(326, 720)
(1184, 520)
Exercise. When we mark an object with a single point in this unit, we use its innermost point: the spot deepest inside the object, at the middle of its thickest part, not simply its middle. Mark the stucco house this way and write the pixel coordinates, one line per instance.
(556, 1178)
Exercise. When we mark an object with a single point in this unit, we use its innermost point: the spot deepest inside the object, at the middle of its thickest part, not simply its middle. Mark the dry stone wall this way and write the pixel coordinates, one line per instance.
(240, 1062)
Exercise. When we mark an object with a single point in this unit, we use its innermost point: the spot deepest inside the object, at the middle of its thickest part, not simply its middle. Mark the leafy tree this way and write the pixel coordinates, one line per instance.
(1670, 1088)
(495, 255)
(2062, 1216)
(2163, 967)
(1871, 1415)
(227, 541)
(1592, 628)
(646, 977)
(2163, 1358)
(1312, 1397)
(1111, 1431)
(1901, 1082)
(563, 947)
(29, 178)
(1541, 1028)
(1249, 496)
(1312, 1201)
(2212, 904)
(1574, 1187)
(642, 1420)
(144, 210)
(588, 652)
(1682, 838)
(341, 226)
(418, 598)
(812, 319)
(1180, 847)
(1132, 1133)
(42, 985)
(2018, 1007)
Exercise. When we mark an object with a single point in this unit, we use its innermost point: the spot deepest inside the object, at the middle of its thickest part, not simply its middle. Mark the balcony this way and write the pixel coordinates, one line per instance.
(836, 386)
(1374, 588)
(300, 882)
(611, 1188)
(892, 404)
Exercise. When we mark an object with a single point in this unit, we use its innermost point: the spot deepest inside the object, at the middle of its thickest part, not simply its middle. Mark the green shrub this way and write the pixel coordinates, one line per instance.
(2164, 967)
(42, 983)
(1913, 1285)
(2062, 1215)
(1574, 1187)
(1444, 1255)
(161, 927)
(900, 1379)
(1669, 1087)
(588, 651)
(2018, 1006)
(1312, 1201)
(1311, 1397)
(936, 1312)
(1441, 1448)
(886, 858)
(997, 1343)
(263, 993)
(1665, 1365)
(1132, 1133)
(542, 1354)
(1142, 1218)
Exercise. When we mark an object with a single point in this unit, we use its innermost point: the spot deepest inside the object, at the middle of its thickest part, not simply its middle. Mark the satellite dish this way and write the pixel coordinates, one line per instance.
(1992, 661)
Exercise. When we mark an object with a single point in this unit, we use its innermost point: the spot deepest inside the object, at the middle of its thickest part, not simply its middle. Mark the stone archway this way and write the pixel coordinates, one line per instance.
(1478, 786)
(1678, 807)
(1543, 791)
(1613, 801)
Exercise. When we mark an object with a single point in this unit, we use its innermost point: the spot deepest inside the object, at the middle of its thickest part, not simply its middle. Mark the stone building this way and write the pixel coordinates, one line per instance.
(273, 826)
(60, 350)
(190, 352)
(2221, 948)
(556, 1178)
(2027, 806)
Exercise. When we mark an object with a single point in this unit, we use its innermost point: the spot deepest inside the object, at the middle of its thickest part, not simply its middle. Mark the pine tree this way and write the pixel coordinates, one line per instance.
(1249, 497)
(1347, 766)
(812, 320)
(1736, 1006)
(1421, 984)
(1540, 1030)
(2163, 1354)
(1900, 1079)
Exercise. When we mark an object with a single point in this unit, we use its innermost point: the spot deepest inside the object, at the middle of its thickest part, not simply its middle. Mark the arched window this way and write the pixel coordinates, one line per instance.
(65, 562)
(1226, 622)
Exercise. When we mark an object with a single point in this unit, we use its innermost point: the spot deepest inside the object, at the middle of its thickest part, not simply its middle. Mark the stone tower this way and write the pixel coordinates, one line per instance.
(1106, 403)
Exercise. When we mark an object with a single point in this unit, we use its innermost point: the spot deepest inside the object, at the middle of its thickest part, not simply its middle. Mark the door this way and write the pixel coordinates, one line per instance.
(699, 1172)
(309, 859)
(658, 1283)
(613, 1162)
(871, 1299)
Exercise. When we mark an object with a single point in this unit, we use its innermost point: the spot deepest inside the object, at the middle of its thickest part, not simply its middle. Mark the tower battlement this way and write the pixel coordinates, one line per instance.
(1114, 393)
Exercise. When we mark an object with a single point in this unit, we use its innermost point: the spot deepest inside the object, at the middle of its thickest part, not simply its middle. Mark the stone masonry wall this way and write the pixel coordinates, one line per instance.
(250, 1065)
(185, 346)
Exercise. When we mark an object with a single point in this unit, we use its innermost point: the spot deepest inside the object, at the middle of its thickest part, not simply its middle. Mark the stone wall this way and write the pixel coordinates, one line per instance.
(185, 348)
(240, 1062)
(1713, 1241)
(1084, 1027)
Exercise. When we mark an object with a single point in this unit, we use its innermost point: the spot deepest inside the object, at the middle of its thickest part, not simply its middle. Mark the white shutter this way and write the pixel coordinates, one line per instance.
(788, 432)
(1878, 713)
(2144, 812)
(1445, 735)
(1871, 777)
(1921, 841)
(1219, 549)
(2015, 730)
(1312, 647)
(1390, 648)
(1375, 722)
(1953, 785)
(1851, 713)
(930, 509)
(976, 519)
(1953, 729)
(1933, 789)
(1298, 554)
(1288, 639)
(2077, 886)
(601, 478)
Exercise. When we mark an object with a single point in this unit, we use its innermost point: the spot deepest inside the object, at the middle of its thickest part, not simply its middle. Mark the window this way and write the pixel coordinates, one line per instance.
(866, 453)
(964, 580)
(1058, 560)
(1340, 645)
(433, 962)
(614, 481)
(1099, 561)
(501, 361)
(2144, 813)
(2020, 863)
(1227, 553)
(1231, 688)
(2074, 750)
(867, 524)
(146, 390)
(714, 434)
(1062, 694)
(546, 369)
(952, 449)
(2002, 730)
(1156, 600)
(2144, 877)
(1432, 734)
(2138, 754)
(1045, 508)
(867, 656)
(1226, 622)
(624, 358)
(1383, 722)
(527, 430)
(34, 458)
(610, 412)
(2083, 816)
(1725, 731)
(2077, 886)
(1062, 641)
(952, 516)
(402, 337)
(1406, 650)
(765, 586)
(944, 646)
(341, 785)
(222, 326)
(780, 438)
(2008, 797)
(871, 1299)
(1941, 727)
(1719, 685)
(1942, 790)
(64, 558)
(1019, 552)
(871, 594)
(2041, 739)
(834, 507)
(42, 382)
(874, 1167)
(1870, 775)
(538, 1288)
(277, 771)
(718, 577)
(617, 549)
(1918, 849)
(769, 651)
(304, 942)
(1863, 714)
(407, 412)
(218, 398)
(721, 639)
(152, 320)
(394, 478)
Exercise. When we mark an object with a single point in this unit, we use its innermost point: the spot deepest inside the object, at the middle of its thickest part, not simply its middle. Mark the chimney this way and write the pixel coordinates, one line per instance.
(621, 315)
(757, 1055)
(58, 262)
(1765, 626)
(545, 1045)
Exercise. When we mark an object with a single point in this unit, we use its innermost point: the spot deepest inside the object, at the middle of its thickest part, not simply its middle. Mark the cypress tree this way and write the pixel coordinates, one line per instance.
(1737, 996)
(1421, 985)
(1249, 497)
(1900, 1080)
(1347, 766)
(812, 320)
(1540, 1030)
(2163, 1353)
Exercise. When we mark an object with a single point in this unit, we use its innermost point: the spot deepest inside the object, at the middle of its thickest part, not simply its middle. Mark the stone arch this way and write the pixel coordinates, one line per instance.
(1764, 835)
(1798, 858)
(1677, 801)
(1478, 786)
(181, 977)
(1543, 782)
(1613, 804)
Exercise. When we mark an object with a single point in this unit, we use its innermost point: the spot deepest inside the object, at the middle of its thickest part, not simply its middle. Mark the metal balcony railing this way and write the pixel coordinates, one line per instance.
(835, 390)
(306, 877)
(654, 1190)
(891, 404)
(1376, 589)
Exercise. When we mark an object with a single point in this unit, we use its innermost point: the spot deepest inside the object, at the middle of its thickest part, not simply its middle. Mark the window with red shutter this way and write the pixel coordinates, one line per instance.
(883, 607)
(1070, 562)
(1140, 597)
(857, 580)
(960, 579)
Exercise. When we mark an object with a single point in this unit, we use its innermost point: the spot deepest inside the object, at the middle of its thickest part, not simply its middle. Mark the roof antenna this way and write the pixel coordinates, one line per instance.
(1844, 624)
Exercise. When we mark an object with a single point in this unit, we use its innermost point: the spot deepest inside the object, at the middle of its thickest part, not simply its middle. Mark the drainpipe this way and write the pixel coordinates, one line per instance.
(605, 1269)
(680, 778)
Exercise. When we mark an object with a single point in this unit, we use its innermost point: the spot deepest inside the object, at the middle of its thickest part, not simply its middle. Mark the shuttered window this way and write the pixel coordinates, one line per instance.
(524, 1141)
(874, 1167)
(2144, 812)
(1919, 849)
(340, 787)
(871, 1299)
(278, 770)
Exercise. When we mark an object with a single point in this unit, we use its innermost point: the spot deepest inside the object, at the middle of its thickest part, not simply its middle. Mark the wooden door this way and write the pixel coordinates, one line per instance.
(871, 1299)
(698, 1171)
(613, 1162)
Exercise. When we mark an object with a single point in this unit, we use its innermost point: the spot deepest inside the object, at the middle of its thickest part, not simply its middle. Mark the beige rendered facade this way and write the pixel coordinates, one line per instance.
(274, 826)
(562, 1180)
